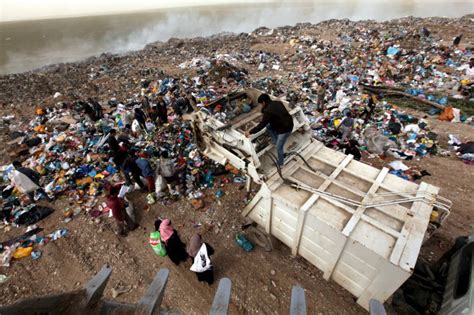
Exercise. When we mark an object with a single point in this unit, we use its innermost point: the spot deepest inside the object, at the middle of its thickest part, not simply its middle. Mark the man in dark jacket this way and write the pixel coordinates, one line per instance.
(140, 117)
(131, 170)
(278, 122)
(112, 142)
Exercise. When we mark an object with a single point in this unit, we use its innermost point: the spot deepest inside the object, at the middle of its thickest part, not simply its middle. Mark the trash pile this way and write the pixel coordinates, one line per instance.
(348, 86)
(28, 245)
(464, 151)
(79, 150)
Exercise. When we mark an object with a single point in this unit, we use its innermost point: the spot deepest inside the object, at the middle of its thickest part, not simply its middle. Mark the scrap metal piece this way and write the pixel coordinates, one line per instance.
(220, 305)
(298, 301)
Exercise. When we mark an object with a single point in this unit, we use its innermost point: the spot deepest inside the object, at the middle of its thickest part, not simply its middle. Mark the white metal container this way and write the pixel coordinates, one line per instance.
(369, 250)
(360, 225)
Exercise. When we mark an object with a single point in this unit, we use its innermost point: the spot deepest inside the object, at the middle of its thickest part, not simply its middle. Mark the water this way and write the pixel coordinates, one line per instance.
(29, 45)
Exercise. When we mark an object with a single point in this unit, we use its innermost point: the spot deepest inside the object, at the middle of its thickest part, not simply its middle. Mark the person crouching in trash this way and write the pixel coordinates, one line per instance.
(146, 170)
(169, 173)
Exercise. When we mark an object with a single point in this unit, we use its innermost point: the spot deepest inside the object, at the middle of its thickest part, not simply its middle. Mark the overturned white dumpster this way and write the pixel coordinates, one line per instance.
(360, 225)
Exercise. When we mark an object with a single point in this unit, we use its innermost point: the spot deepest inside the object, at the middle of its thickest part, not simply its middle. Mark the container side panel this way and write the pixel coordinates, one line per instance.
(383, 286)
(259, 213)
(293, 198)
(320, 166)
(283, 223)
(353, 181)
(356, 268)
(307, 178)
(331, 215)
(363, 170)
(320, 243)
(373, 238)
(330, 156)
(384, 218)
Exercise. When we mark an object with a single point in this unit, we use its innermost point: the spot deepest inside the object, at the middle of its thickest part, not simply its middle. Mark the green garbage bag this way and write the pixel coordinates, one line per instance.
(157, 244)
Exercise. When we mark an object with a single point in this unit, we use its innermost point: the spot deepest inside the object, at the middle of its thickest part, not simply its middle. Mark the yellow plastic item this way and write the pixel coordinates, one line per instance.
(434, 216)
(337, 122)
(40, 111)
(83, 181)
(22, 252)
(60, 138)
(40, 169)
(93, 188)
(40, 128)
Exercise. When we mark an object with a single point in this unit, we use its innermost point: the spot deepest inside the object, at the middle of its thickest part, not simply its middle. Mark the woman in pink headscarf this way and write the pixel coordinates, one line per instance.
(175, 248)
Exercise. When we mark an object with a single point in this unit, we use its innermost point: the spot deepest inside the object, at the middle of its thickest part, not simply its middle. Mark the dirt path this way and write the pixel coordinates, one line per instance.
(261, 281)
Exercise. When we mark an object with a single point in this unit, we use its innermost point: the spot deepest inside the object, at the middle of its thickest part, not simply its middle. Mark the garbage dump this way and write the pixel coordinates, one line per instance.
(168, 121)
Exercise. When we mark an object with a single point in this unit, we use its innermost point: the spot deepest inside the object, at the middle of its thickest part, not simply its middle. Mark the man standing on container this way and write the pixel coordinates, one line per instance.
(278, 122)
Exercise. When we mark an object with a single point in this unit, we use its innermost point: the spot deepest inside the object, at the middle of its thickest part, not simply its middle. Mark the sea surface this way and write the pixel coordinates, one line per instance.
(28, 45)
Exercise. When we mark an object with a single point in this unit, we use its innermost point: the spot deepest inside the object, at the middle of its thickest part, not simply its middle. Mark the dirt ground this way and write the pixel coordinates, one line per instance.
(261, 281)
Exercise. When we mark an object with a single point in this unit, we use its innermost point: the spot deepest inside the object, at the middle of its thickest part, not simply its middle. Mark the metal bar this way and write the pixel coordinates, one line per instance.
(95, 287)
(376, 308)
(220, 305)
(298, 301)
(151, 301)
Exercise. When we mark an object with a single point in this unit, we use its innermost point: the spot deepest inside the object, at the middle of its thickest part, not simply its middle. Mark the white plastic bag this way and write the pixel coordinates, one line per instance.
(23, 183)
(130, 209)
(124, 190)
(136, 126)
(160, 185)
(201, 261)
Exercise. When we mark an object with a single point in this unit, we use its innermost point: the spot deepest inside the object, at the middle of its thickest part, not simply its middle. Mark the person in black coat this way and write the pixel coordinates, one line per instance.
(352, 147)
(131, 170)
(112, 142)
(140, 117)
(278, 122)
(175, 248)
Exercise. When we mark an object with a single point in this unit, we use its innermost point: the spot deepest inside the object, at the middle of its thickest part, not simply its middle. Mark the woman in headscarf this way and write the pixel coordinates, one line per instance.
(175, 248)
(193, 249)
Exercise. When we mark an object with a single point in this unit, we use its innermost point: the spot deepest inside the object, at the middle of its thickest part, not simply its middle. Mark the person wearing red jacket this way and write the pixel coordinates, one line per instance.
(118, 207)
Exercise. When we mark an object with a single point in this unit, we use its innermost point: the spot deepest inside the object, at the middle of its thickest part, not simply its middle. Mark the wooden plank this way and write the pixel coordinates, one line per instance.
(302, 213)
(311, 200)
(96, 286)
(401, 242)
